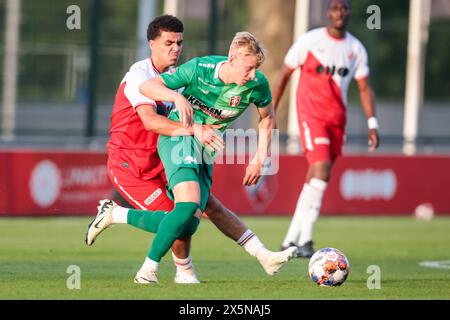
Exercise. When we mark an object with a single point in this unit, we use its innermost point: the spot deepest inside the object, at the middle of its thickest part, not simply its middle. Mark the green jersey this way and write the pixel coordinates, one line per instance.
(215, 102)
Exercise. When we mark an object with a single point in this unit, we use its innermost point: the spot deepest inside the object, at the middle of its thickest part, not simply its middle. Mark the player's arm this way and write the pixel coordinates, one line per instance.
(265, 126)
(154, 122)
(157, 89)
(283, 80)
(368, 105)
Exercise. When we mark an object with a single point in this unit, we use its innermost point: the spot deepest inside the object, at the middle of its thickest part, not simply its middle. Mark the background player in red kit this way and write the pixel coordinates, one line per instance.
(135, 168)
(328, 58)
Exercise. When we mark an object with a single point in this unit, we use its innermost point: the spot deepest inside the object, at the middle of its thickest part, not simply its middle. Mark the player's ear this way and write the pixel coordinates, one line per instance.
(150, 44)
(231, 58)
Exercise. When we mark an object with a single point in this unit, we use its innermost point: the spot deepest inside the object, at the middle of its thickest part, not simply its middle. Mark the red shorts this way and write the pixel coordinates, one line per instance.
(142, 194)
(321, 142)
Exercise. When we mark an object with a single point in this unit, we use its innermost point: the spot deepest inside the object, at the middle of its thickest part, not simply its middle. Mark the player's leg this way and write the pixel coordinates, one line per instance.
(141, 194)
(312, 195)
(159, 203)
(319, 173)
(144, 196)
(315, 140)
(179, 222)
(149, 220)
(233, 227)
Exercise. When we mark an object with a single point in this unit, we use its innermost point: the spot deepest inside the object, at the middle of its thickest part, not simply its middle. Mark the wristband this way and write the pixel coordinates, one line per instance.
(372, 123)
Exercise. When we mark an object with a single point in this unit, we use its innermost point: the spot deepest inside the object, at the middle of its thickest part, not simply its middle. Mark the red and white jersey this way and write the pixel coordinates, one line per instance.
(327, 67)
(131, 145)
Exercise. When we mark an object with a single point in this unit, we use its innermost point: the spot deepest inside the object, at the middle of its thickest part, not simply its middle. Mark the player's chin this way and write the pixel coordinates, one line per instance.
(340, 24)
(173, 59)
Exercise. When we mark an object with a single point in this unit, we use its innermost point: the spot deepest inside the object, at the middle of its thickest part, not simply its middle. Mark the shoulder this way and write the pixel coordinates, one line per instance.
(315, 32)
(140, 70)
(202, 63)
(310, 36)
(260, 82)
(210, 61)
(142, 65)
(355, 43)
(261, 78)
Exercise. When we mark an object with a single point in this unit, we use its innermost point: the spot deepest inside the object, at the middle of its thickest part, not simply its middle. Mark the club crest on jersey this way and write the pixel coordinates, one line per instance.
(234, 101)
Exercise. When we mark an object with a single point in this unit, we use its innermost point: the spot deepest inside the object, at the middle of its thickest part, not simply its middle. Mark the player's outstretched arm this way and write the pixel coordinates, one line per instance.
(368, 105)
(265, 126)
(284, 77)
(156, 89)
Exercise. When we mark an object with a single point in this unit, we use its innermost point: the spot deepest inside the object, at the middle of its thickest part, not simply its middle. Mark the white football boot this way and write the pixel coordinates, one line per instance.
(143, 277)
(102, 221)
(186, 278)
(277, 260)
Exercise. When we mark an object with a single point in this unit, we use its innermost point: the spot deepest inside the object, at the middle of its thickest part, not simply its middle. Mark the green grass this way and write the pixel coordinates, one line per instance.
(35, 255)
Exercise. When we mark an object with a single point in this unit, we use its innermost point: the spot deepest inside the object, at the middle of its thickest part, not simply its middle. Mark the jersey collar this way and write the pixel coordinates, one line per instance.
(216, 71)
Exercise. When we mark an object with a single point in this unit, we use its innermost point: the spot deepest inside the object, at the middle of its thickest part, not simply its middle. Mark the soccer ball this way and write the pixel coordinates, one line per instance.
(328, 267)
(424, 211)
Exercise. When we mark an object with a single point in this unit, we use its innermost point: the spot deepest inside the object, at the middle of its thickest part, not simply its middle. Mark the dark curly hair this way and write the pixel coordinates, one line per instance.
(163, 23)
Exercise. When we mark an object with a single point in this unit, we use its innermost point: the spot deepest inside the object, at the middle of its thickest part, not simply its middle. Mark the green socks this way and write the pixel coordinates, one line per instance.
(146, 220)
(175, 224)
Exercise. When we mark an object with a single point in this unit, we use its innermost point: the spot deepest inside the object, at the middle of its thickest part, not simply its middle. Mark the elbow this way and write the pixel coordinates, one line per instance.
(150, 123)
(149, 126)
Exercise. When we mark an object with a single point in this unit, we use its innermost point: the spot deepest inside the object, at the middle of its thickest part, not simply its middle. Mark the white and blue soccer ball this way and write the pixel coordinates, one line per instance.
(328, 267)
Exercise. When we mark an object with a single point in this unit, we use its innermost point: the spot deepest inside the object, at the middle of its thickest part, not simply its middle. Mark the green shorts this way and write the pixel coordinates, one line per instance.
(185, 159)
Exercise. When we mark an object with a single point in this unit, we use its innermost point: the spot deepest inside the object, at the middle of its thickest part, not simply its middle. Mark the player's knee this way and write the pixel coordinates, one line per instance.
(322, 171)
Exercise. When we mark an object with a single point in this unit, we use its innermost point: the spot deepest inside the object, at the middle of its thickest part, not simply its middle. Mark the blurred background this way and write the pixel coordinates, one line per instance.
(61, 62)
(59, 93)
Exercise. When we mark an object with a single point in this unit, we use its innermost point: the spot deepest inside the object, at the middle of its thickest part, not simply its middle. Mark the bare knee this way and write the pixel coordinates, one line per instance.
(320, 170)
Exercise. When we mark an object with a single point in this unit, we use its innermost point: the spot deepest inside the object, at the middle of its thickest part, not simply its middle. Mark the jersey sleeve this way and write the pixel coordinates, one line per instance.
(135, 77)
(182, 76)
(261, 96)
(296, 55)
(362, 63)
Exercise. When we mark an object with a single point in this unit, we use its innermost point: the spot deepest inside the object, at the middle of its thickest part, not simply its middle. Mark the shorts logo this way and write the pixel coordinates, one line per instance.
(321, 140)
(153, 197)
(234, 101)
(190, 160)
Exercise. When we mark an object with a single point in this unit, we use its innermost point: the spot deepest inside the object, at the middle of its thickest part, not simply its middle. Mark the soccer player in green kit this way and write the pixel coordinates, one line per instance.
(217, 89)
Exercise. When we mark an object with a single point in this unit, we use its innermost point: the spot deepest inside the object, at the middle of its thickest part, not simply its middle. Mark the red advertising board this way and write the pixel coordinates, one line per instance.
(71, 183)
(359, 185)
(52, 183)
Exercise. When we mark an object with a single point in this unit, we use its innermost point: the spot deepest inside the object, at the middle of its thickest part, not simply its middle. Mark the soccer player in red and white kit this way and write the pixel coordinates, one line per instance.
(328, 59)
(135, 168)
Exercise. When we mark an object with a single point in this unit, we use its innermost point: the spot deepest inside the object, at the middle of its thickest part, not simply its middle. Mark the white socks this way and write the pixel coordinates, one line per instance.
(306, 213)
(120, 214)
(294, 228)
(251, 243)
(184, 265)
(149, 266)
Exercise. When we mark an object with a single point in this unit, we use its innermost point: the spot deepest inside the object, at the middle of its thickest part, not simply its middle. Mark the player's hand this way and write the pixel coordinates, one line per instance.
(185, 111)
(252, 173)
(210, 136)
(374, 140)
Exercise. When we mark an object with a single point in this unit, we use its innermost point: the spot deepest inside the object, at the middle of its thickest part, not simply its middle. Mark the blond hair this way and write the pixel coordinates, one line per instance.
(245, 43)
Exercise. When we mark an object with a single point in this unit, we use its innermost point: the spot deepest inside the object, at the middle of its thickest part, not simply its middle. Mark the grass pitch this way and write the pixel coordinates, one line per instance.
(35, 255)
